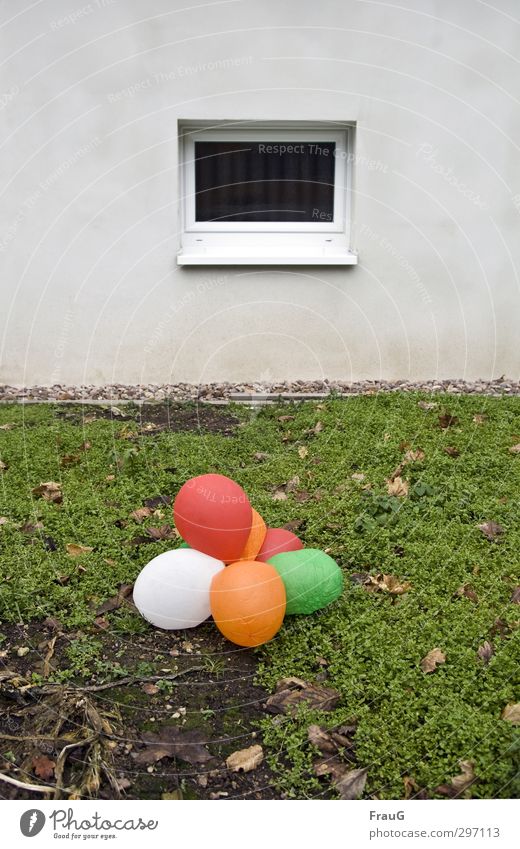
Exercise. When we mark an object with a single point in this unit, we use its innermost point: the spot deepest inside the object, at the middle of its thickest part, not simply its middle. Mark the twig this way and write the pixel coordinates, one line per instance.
(33, 788)
(122, 682)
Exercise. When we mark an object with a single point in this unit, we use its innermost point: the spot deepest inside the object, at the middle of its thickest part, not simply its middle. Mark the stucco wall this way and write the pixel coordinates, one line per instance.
(89, 224)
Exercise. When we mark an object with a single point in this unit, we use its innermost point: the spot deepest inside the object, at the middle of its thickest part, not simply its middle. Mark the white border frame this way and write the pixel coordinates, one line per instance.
(323, 242)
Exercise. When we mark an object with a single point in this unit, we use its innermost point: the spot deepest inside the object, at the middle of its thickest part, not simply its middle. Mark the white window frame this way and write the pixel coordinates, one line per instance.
(267, 242)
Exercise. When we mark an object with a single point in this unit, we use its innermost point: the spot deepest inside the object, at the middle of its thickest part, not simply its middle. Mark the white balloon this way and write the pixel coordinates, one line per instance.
(172, 590)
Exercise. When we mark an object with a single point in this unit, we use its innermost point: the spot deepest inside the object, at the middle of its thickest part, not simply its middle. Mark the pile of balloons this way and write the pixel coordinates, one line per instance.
(231, 566)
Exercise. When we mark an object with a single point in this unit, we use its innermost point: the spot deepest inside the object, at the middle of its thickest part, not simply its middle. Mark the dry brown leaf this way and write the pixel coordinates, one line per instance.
(260, 456)
(318, 427)
(293, 525)
(75, 550)
(447, 420)
(467, 591)
(351, 784)
(451, 451)
(302, 452)
(141, 514)
(515, 598)
(515, 449)
(491, 530)
(173, 742)
(3, 466)
(290, 692)
(397, 487)
(46, 666)
(480, 418)
(70, 459)
(50, 491)
(358, 476)
(149, 688)
(459, 783)
(432, 660)
(4, 520)
(485, 652)
(116, 601)
(8, 426)
(43, 767)
(414, 456)
(246, 759)
(511, 713)
(386, 583)
(279, 495)
(164, 532)
(286, 418)
(427, 405)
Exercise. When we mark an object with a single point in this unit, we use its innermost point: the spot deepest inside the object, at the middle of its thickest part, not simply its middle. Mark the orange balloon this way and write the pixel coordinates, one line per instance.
(248, 602)
(255, 539)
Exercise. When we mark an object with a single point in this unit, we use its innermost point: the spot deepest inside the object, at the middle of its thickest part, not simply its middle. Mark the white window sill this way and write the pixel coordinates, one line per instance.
(243, 256)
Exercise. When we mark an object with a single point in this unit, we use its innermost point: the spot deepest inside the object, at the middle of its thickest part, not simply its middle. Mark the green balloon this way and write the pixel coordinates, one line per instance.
(312, 579)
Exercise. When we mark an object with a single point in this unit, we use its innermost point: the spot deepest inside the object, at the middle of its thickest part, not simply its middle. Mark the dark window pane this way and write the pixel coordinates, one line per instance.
(264, 181)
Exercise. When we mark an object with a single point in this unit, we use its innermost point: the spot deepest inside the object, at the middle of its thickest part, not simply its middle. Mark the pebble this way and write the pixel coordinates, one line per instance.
(221, 392)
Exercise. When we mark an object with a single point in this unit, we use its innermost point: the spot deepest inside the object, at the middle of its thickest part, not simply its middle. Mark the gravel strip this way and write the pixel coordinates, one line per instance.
(247, 393)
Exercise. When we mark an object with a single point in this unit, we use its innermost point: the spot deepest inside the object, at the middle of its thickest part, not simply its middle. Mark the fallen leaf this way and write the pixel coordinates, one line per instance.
(511, 713)
(50, 491)
(292, 485)
(260, 456)
(414, 456)
(485, 652)
(302, 452)
(397, 487)
(302, 496)
(386, 583)
(75, 550)
(451, 451)
(293, 525)
(286, 418)
(318, 427)
(4, 520)
(351, 784)
(43, 767)
(480, 418)
(70, 459)
(85, 446)
(149, 688)
(491, 530)
(279, 495)
(3, 466)
(358, 476)
(467, 591)
(8, 426)
(412, 789)
(173, 742)
(290, 692)
(459, 783)
(334, 741)
(246, 759)
(158, 501)
(110, 478)
(116, 601)
(21, 651)
(141, 514)
(446, 420)
(164, 532)
(430, 662)
(515, 598)
(427, 405)
(46, 665)
(515, 449)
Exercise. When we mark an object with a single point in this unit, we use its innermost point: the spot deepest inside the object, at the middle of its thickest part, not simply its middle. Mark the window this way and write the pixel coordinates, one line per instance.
(266, 194)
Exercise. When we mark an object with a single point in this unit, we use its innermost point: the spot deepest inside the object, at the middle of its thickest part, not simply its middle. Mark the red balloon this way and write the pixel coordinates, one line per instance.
(276, 541)
(213, 514)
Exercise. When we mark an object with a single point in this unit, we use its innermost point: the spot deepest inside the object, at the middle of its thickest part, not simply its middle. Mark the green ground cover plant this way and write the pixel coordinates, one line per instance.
(416, 497)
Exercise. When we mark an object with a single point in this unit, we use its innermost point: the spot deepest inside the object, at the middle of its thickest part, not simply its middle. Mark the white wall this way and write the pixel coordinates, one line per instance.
(89, 215)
